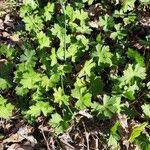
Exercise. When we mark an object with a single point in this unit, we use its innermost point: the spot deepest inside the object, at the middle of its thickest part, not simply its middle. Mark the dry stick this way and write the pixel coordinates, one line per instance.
(52, 141)
(96, 144)
(67, 144)
(87, 136)
(45, 140)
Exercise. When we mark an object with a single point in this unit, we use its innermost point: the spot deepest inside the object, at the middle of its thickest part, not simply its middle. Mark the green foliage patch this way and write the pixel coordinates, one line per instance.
(67, 65)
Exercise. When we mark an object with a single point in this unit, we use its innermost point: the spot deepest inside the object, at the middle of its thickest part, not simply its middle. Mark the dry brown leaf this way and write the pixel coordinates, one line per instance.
(65, 140)
(1, 146)
(5, 34)
(93, 24)
(9, 22)
(83, 113)
(2, 5)
(2, 61)
(15, 38)
(126, 143)
(1, 24)
(24, 132)
(27, 146)
(65, 137)
(7, 19)
(123, 121)
(14, 147)
(15, 138)
(44, 128)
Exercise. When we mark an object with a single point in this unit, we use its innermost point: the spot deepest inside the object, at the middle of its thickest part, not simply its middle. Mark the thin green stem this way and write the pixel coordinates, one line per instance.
(62, 84)
(64, 13)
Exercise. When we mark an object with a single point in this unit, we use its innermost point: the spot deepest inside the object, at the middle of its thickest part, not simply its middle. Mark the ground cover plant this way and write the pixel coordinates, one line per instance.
(80, 66)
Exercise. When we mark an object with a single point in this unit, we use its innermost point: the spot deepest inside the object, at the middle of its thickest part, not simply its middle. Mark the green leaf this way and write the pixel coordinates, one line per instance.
(146, 109)
(129, 83)
(51, 82)
(84, 101)
(31, 3)
(48, 11)
(58, 31)
(70, 12)
(4, 84)
(129, 19)
(30, 79)
(81, 15)
(6, 51)
(128, 5)
(29, 58)
(82, 95)
(114, 137)
(145, 2)
(144, 142)
(40, 106)
(119, 34)
(33, 23)
(60, 97)
(21, 91)
(72, 52)
(130, 91)
(58, 123)
(136, 57)
(5, 70)
(34, 111)
(84, 29)
(65, 68)
(103, 54)
(38, 95)
(53, 57)
(96, 85)
(89, 1)
(79, 88)
(83, 39)
(6, 108)
(109, 107)
(99, 38)
(45, 108)
(43, 40)
(131, 72)
(137, 131)
(25, 10)
(107, 22)
(87, 69)
(55, 121)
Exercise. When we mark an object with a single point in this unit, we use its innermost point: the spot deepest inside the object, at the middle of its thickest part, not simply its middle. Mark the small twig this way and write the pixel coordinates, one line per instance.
(67, 144)
(45, 139)
(96, 144)
(52, 141)
(86, 136)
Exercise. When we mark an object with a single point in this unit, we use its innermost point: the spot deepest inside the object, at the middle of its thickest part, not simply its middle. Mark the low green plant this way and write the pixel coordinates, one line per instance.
(66, 66)
(6, 108)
